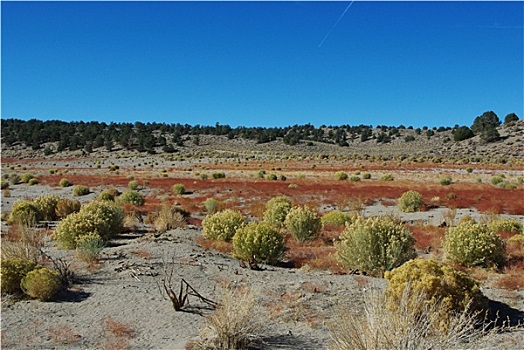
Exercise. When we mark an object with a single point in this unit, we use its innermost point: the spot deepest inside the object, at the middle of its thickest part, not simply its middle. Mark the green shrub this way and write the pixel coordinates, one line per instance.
(80, 190)
(439, 282)
(131, 197)
(473, 244)
(276, 210)
(387, 177)
(272, 177)
(223, 225)
(89, 247)
(341, 175)
(42, 284)
(24, 212)
(410, 201)
(366, 176)
(64, 183)
(13, 270)
(203, 176)
(335, 218)
(211, 205)
(218, 175)
(496, 180)
(46, 205)
(4, 184)
(354, 178)
(505, 225)
(26, 177)
(32, 182)
(66, 206)
(179, 189)
(375, 245)
(258, 243)
(109, 194)
(132, 185)
(303, 223)
(103, 217)
(446, 180)
(15, 179)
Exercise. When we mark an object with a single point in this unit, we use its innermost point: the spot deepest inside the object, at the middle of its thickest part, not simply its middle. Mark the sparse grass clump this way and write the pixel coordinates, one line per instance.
(131, 197)
(335, 218)
(179, 189)
(169, 218)
(375, 245)
(24, 213)
(223, 225)
(410, 201)
(80, 190)
(258, 243)
(237, 322)
(102, 217)
(89, 247)
(64, 183)
(439, 283)
(13, 270)
(42, 284)
(474, 244)
(276, 211)
(303, 223)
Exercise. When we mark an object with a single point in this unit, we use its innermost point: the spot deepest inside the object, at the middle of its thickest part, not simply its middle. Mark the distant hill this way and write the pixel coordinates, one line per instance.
(36, 138)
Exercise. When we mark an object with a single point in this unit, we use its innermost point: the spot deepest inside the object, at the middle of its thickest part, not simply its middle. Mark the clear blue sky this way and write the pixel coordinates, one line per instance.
(262, 63)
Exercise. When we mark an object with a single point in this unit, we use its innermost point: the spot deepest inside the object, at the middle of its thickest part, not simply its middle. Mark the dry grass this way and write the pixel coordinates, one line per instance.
(512, 279)
(116, 328)
(23, 242)
(411, 326)
(63, 335)
(428, 238)
(219, 246)
(236, 324)
(142, 253)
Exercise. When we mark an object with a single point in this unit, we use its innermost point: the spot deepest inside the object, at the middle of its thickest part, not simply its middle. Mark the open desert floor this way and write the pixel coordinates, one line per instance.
(116, 303)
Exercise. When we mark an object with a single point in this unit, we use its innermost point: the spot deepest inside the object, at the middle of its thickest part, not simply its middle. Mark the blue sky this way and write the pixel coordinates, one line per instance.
(262, 63)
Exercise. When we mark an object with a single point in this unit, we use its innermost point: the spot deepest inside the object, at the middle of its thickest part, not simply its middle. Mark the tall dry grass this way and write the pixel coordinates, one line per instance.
(412, 326)
(236, 323)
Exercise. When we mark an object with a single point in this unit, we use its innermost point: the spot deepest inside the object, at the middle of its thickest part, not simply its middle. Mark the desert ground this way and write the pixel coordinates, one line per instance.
(116, 303)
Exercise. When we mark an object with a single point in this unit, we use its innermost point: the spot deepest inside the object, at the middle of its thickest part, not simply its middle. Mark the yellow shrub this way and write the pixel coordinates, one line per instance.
(473, 244)
(439, 282)
(42, 284)
(13, 270)
(276, 210)
(223, 224)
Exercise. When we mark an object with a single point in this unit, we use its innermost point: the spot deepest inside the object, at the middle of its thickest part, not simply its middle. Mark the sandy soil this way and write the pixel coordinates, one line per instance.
(123, 290)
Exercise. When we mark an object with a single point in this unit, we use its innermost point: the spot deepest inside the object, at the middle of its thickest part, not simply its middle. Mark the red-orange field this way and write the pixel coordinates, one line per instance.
(243, 191)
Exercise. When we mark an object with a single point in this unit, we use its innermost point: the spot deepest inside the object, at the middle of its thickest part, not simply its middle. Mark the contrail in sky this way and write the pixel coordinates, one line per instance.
(334, 25)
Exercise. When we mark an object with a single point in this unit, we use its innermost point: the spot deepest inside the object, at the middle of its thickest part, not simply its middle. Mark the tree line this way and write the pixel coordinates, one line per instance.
(147, 137)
